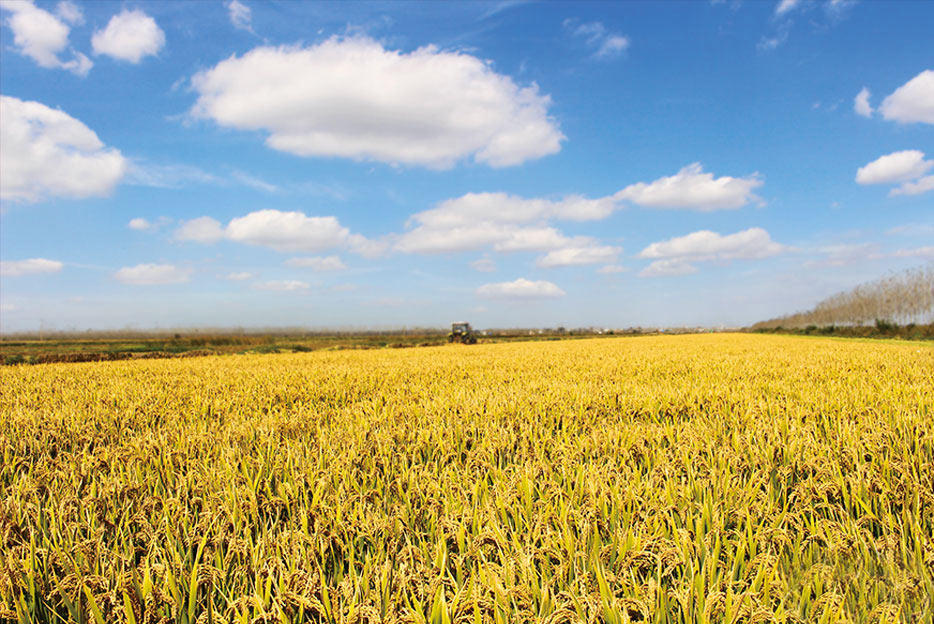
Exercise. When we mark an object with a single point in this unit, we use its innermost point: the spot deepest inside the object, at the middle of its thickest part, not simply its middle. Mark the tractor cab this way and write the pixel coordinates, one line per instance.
(462, 333)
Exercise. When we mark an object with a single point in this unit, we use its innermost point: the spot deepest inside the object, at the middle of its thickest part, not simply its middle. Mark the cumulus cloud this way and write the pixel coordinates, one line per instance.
(201, 230)
(668, 268)
(913, 102)
(145, 225)
(284, 285)
(706, 245)
(507, 208)
(578, 256)
(921, 185)
(499, 221)
(152, 274)
(241, 16)
(318, 263)
(520, 289)
(47, 153)
(129, 36)
(70, 12)
(605, 44)
(504, 222)
(43, 37)
(861, 104)
(907, 168)
(239, 276)
(32, 266)
(288, 231)
(281, 231)
(680, 252)
(693, 189)
(895, 167)
(612, 269)
(352, 98)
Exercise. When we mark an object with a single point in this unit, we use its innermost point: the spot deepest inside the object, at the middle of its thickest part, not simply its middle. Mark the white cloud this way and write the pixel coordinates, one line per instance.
(918, 252)
(288, 231)
(836, 9)
(240, 15)
(43, 37)
(612, 46)
(693, 189)
(145, 225)
(180, 175)
(496, 235)
(253, 182)
(578, 256)
(537, 239)
(284, 285)
(770, 43)
(47, 153)
(201, 230)
(32, 266)
(504, 222)
(861, 103)
(506, 208)
(520, 289)
(606, 45)
(129, 36)
(281, 231)
(70, 12)
(174, 176)
(895, 167)
(152, 274)
(239, 276)
(668, 268)
(917, 229)
(921, 185)
(318, 263)
(612, 269)
(913, 101)
(352, 98)
(499, 221)
(704, 246)
(483, 265)
(785, 6)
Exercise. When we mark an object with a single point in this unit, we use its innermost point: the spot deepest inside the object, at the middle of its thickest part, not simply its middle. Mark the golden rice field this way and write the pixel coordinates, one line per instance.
(690, 479)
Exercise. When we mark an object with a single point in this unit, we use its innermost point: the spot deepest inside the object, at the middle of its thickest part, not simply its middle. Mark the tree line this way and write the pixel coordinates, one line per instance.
(903, 298)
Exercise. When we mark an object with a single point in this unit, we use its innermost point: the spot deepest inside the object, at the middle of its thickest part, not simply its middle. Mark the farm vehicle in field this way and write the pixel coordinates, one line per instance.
(462, 333)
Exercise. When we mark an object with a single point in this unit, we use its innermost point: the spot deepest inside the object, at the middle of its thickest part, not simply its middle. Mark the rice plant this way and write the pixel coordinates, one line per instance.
(688, 479)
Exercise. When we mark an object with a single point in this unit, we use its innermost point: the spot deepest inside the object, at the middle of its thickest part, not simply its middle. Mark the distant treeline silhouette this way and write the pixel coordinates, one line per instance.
(902, 299)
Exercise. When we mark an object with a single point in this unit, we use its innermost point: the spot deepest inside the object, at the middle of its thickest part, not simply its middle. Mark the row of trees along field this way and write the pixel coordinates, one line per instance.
(903, 298)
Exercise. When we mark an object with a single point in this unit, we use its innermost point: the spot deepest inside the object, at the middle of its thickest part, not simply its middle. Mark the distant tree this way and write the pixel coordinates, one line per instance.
(902, 299)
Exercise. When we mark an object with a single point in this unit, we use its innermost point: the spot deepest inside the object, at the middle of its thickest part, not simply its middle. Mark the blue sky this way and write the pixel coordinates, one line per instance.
(514, 164)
